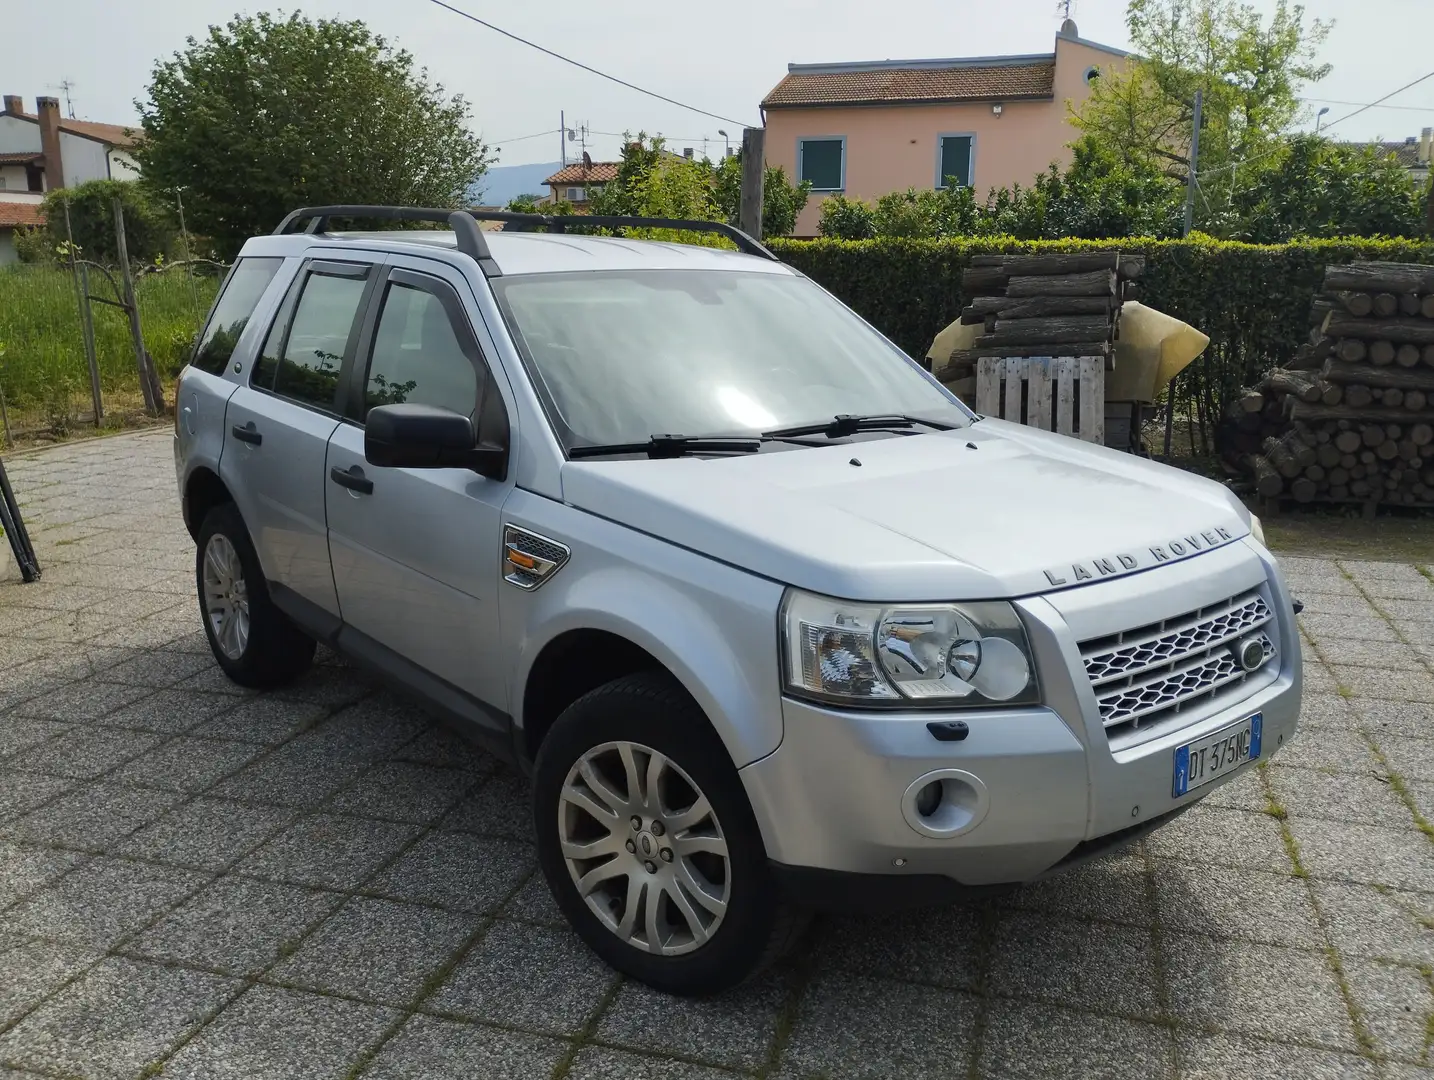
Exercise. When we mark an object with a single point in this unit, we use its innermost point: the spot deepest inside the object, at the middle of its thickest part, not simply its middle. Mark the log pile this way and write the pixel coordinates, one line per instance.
(1352, 419)
(1044, 305)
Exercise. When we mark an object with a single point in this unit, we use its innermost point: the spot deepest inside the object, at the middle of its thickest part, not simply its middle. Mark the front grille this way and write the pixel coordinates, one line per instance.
(1157, 671)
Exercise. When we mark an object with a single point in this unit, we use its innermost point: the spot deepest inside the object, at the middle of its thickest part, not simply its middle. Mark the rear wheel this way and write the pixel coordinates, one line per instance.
(649, 844)
(254, 642)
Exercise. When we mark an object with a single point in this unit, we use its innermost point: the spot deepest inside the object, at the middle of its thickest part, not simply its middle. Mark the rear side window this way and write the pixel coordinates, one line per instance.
(304, 354)
(240, 296)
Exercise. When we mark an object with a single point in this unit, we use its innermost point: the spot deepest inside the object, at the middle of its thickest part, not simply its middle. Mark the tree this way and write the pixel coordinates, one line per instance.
(782, 201)
(265, 115)
(1314, 188)
(1250, 74)
(150, 227)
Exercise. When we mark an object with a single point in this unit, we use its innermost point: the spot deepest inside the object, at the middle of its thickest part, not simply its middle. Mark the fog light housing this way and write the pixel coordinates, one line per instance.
(945, 804)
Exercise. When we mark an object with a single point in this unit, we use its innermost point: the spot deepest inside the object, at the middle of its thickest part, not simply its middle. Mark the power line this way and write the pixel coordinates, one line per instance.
(1402, 108)
(585, 67)
(1381, 101)
(522, 138)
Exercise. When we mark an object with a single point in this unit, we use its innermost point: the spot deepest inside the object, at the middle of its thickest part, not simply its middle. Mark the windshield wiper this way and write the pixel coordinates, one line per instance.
(847, 424)
(671, 446)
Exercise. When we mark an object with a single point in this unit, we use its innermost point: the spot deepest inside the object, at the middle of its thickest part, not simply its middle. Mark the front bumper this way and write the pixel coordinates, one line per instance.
(1033, 787)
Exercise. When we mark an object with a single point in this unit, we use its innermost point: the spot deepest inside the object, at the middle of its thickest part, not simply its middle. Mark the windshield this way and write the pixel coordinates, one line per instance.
(622, 356)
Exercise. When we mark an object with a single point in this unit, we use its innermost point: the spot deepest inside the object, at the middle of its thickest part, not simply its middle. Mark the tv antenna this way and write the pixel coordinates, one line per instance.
(64, 86)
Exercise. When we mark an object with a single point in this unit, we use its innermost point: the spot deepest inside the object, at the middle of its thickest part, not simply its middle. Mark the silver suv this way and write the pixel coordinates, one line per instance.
(771, 619)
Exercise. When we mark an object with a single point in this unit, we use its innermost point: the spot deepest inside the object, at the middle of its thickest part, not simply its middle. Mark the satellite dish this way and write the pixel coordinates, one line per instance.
(587, 160)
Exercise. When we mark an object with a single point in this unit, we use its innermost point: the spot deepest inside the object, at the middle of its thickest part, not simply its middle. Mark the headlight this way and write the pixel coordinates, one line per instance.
(947, 654)
(1257, 530)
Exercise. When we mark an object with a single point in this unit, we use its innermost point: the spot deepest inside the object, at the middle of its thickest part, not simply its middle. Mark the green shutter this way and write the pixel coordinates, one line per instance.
(821, 163)
(955, 160)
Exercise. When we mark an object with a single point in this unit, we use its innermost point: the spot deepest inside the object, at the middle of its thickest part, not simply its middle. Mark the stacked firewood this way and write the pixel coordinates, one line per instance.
(1353, 419)
(1044, 305)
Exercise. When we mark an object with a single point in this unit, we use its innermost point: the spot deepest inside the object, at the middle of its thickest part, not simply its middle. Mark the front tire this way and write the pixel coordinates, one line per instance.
(255, 643)
(649, 844)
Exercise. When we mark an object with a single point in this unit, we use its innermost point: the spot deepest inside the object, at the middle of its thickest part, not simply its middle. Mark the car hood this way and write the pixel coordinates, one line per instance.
(991, 511)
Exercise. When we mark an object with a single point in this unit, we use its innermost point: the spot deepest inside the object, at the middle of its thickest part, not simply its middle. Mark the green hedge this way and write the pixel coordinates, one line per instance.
(1252, 301)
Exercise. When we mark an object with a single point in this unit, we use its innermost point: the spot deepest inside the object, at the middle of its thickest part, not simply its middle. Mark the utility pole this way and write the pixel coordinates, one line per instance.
(563, 136)
(749, 213)
(1194, 164)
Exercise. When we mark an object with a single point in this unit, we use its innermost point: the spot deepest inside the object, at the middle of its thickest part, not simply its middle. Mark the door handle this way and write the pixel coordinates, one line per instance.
(354, 481)
(247, 434)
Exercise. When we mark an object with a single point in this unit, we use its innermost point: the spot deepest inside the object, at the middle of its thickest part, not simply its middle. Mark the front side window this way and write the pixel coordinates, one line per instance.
(955, 165)
(304, 354)
(823, 162)
(417, 356)
(620, 356)
(240, 296)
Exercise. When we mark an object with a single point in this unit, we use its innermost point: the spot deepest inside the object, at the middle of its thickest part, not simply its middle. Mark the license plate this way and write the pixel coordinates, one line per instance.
(1214, 756)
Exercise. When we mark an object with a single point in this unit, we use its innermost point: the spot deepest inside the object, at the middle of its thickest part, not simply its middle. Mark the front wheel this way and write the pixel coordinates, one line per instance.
(649, 844)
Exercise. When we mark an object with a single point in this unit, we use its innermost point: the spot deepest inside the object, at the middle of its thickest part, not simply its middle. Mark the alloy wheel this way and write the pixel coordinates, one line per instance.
(644, 848)
(226, 598)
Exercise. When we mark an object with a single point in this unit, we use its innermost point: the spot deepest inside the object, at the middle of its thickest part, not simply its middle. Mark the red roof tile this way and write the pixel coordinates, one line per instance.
(894, 85)
(601, 173)
(13, 214)
(22, 158)
(114, 134)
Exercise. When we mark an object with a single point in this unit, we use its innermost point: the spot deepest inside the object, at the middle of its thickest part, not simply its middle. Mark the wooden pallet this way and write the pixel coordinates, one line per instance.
(1063, 394)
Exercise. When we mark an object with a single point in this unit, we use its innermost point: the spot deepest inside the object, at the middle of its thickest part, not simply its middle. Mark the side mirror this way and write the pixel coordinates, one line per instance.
(428, 437)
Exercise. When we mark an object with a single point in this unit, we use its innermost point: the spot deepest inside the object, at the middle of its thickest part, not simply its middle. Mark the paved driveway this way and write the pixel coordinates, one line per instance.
(195, 882)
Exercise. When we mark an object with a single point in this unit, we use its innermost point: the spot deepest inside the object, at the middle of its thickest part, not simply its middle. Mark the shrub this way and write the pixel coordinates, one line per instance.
(150, 228)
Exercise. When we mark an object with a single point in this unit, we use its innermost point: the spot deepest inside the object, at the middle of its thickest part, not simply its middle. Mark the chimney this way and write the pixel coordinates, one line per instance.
(49, 112)
(14, 103)
(1426, 146)
(687, 152)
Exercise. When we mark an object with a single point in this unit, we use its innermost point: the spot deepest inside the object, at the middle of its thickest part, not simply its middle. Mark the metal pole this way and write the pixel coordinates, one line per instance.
(749, 214)
(1194, 164)
(87, 328)
(563, 136)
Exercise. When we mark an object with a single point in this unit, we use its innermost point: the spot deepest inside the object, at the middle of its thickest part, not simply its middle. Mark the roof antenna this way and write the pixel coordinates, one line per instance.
(65, 86)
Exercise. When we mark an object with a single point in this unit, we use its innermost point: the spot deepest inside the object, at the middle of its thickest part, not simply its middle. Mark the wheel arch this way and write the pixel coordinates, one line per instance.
(203, 491)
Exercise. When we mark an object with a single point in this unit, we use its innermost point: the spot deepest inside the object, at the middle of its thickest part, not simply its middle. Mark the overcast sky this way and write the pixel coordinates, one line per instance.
(718, 57)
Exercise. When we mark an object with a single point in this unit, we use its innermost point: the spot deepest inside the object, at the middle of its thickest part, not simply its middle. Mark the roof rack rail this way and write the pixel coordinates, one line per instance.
(464, 224)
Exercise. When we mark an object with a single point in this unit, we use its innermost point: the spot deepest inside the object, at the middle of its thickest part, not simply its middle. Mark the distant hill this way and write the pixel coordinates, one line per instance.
(506, 182)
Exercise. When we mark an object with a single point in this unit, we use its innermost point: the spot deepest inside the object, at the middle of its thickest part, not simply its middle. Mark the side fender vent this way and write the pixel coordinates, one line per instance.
(530, 559)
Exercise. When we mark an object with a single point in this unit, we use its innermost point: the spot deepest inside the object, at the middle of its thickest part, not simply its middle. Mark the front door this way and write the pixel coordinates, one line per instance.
(416, 551)
(278, 425)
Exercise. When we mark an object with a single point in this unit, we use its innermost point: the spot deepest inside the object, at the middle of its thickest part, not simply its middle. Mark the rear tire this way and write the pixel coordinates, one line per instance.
(255, 643)
(684, 902)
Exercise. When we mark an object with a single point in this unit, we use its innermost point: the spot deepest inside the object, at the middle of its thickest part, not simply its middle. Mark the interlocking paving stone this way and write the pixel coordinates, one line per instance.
(1332, 749)
(940, 947)
(1370, 922)
(20, 733)
(535, 977)
(1248, 904)
(501, 807)
(1325, 710)
(427, 1048)
(102, 901)
(1387, 683)
(1222, 837)
(236, 925)
(1410, 758)
(170, 712)
(122, 1016)
(187, 765)
(378, 950)
(457, 870)
(1205, 1056)
(1332, 629)
(158, 668)
(328, 851)
(604, 1063)
(331, 687)
(87, 700)
(534, 903)
(1246, 791)
(274, 1033)
(1112, 888)
(297, 774)
(1399, 858)
(872, 1029)
(734, 1029)
(265, 720)
(90, 818)
(399, 791)
(1399, 718)
(1067, 962)
(21, 792)
(1396, 1003)
(1379, 654)
(1256, 990)
(205, 833)
(24, 869)
(32, 970)
(1367, 798)
(443, 747)
(85, 752)
(1025, 1040)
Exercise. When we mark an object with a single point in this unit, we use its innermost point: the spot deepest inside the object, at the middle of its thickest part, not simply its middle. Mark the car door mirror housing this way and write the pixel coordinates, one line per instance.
(429, 437)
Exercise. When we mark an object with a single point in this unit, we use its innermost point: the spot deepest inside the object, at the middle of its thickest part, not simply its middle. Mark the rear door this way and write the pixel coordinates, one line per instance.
(278, 425)
(416, 552)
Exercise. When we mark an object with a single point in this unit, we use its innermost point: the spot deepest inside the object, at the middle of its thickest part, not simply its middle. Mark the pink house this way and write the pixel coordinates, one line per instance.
(868, 128)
